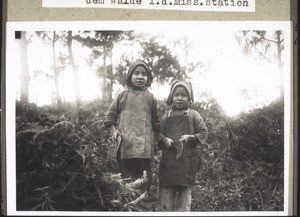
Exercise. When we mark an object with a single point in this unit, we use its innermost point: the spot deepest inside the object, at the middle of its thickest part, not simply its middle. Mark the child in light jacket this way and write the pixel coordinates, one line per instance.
(180, 125)
(133, 115)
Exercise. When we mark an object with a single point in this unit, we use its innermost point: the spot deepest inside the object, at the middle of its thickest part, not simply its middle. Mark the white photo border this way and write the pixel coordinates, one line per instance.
(10, 97)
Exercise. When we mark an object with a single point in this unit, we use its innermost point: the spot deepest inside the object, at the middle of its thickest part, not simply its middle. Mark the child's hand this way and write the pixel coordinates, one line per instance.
(115, 132)
(186, 138)
(168, 142)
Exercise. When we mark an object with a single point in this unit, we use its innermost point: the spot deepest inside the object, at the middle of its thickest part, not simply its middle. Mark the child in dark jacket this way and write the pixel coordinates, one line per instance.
(133, 115)
(180, 125)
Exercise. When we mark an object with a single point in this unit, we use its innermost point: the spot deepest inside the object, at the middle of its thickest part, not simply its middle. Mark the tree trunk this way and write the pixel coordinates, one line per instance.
(111, 77)
(109, 88)
(108, 76)
(56, 72)
(280, 63)
(75, 69)
(25, 78)
(104, 75)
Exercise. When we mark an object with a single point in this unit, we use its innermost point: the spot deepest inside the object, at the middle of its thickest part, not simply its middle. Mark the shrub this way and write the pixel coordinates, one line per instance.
(63, 160)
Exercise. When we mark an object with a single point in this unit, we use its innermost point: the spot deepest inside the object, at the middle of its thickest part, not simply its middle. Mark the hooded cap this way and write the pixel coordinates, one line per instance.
(133, 66)
(186, 84)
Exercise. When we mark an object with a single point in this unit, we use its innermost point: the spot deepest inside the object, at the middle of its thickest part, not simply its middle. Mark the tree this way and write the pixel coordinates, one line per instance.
(264, 45)
(74, 68)
(25, 78)
(59, 61)
(184, 46)
(162, 62)
(102, 44)
(55, 69)
(164, 65)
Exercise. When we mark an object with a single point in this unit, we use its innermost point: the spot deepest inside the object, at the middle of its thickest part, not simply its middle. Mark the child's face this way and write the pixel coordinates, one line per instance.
(139, 77)
(180, 98)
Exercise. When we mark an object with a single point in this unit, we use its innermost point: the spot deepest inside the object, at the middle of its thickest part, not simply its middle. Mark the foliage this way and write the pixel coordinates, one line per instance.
(242, 164)
(106, 53)
(63, 161)
(260, 135)
(264, 45)
(162, 62)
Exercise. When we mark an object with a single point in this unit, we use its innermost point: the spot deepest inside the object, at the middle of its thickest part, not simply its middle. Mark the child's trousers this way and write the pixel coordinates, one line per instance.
(176, 198)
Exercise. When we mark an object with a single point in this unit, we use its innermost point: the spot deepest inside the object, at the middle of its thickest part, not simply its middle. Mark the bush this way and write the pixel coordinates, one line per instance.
(63, 161)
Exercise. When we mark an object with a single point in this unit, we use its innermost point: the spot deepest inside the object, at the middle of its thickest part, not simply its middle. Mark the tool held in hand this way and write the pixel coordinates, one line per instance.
(179, 148)
(178, 145)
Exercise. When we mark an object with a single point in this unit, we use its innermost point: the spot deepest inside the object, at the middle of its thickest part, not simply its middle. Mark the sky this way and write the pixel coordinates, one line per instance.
(229, 73)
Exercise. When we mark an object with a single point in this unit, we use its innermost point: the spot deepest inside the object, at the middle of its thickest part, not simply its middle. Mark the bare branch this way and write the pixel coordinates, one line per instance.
(263, 37)
(259, 52)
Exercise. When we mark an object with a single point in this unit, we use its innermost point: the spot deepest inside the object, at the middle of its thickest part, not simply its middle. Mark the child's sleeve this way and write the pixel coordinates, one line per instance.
(161, 132)
(112, 113)
(155, 118)
(201, 131)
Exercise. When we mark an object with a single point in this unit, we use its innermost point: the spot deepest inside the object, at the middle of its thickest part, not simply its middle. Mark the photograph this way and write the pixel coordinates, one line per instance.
(149, 118)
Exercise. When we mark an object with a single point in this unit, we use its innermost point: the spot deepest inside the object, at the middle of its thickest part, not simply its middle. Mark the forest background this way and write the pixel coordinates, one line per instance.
(69, 78)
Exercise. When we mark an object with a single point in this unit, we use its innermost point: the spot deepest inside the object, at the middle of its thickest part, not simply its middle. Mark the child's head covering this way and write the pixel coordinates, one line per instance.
(186, 84)
(133, 66)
